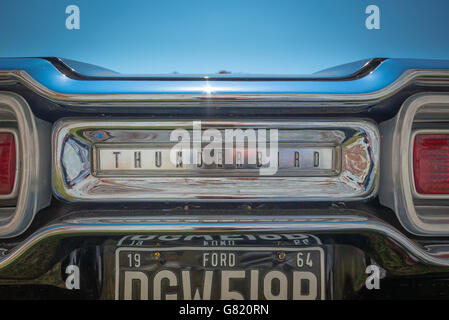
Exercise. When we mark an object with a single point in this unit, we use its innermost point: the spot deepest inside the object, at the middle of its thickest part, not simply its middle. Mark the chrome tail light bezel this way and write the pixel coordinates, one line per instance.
(397, 188)
(32, 188)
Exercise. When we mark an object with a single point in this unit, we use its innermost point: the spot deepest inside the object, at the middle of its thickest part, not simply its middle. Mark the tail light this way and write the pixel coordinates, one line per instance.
(431, 163)
(7, 162)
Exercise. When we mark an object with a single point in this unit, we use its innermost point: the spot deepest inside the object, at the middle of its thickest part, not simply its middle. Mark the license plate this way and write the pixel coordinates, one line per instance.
(247, 273)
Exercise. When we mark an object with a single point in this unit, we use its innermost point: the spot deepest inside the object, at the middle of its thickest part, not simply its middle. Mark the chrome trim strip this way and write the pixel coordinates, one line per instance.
(424, 76)
(63, 66)
(97, 226)
(33, 185)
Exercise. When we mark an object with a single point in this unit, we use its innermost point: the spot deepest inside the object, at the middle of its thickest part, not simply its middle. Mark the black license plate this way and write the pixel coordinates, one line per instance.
(249, 273)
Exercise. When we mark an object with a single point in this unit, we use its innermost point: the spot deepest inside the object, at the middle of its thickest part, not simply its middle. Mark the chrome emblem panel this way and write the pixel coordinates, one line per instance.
(154, 160)
(212, 160)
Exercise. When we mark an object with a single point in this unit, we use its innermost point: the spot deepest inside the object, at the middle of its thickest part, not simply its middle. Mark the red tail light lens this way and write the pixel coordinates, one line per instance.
(7, 162)
(431, 163)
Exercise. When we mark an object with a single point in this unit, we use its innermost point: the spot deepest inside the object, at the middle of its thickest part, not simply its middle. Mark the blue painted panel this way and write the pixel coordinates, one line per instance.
(48, 75)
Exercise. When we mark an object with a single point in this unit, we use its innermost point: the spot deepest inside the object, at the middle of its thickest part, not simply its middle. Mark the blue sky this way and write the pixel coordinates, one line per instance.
(241, 36)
